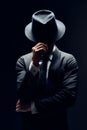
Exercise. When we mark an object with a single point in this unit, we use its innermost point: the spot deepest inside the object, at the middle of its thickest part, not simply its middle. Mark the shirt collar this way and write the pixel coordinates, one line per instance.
(51, 55)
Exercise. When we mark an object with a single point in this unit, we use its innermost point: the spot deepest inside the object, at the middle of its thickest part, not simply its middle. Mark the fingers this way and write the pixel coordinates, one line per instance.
(18, 102)
(22, 108)
(40, 47)
(40, 43)
(18, 106)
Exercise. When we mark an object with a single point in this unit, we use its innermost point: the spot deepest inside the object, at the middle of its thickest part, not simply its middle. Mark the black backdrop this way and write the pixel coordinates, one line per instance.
(14, 15)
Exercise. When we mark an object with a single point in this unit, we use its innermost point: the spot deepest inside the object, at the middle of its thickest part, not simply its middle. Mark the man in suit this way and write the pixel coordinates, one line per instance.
(46, 77)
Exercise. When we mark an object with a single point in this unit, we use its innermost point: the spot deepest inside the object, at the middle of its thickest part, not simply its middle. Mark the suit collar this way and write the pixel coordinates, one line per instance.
(51, 55)
(56, 53)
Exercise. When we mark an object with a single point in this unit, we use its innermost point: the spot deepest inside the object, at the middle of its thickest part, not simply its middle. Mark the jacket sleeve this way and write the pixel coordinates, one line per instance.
(24, 82)
(67, 95)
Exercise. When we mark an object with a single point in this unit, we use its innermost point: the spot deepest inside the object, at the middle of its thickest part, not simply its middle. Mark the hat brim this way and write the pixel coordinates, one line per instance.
(61, 30)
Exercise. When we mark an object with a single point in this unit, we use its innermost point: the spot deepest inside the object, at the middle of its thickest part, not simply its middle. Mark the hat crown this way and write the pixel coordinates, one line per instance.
(44, 26)
(43, 16)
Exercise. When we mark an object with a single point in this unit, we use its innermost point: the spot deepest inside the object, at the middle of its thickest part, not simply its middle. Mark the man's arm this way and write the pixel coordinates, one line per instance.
(25, 80)
(67, 95)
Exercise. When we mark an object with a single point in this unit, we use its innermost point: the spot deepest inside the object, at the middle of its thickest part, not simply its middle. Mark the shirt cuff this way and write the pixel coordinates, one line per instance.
(33, 69)
(33, 108)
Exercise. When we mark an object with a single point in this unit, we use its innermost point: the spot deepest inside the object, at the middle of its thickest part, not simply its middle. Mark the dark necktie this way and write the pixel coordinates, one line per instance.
(42, 73)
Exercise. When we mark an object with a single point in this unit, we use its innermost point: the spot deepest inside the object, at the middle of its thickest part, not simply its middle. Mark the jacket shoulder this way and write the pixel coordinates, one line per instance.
(27, 56)
(62, 54)
(69, 59)
(66, 55)
(25, 60)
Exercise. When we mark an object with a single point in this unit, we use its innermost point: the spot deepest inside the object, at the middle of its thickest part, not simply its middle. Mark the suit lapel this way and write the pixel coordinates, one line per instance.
(55, 59)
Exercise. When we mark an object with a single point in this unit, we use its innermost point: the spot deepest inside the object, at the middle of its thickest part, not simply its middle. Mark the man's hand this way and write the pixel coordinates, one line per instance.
(38, 50)
(22, 108)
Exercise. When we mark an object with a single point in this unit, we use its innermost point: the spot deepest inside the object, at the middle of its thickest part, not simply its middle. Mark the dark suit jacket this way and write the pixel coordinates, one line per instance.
(60, 90)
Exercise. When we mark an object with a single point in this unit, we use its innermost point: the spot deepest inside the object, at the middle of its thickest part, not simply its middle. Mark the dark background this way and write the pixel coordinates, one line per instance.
(14, 15)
